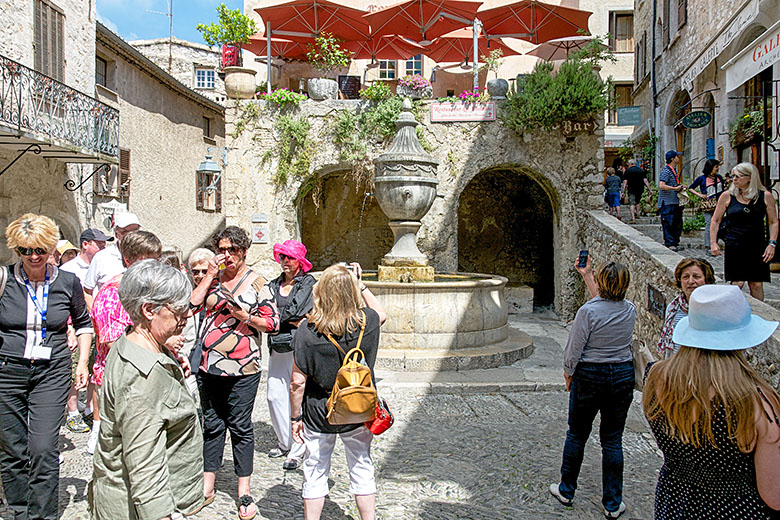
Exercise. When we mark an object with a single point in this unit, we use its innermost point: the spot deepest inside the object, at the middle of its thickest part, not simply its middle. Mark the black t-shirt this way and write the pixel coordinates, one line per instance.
(636, 180)
(320, 360)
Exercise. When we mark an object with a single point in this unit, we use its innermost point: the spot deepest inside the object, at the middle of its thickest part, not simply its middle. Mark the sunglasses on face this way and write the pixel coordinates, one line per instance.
(233, 250)
(28, 251)
(285, 257)
(196, 272)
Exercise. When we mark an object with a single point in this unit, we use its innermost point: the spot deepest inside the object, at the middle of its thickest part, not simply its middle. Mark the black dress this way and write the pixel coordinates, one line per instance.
(707, 483)
(746, 241)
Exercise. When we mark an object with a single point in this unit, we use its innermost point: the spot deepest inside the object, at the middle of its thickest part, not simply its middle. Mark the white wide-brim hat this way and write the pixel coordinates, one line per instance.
(719, 318)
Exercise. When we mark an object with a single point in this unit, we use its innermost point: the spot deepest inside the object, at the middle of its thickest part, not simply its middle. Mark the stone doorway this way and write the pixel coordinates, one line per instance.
(505, 227)
(330, 231)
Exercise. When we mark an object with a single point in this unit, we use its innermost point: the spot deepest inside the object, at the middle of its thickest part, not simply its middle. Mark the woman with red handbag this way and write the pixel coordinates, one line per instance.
(346, 312)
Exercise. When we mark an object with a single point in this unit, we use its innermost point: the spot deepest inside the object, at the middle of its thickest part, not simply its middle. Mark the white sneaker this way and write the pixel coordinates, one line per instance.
(615, 514)
(554, 491)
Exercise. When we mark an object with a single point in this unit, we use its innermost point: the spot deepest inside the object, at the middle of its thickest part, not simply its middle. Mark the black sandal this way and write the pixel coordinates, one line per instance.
(246, 501)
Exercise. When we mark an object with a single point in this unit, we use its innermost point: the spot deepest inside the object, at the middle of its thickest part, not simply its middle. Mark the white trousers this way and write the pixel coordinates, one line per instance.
(279, 372)
(316, 466)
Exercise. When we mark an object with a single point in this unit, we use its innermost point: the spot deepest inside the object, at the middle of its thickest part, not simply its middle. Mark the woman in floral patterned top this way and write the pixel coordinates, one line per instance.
(110, 318)
(239, 307)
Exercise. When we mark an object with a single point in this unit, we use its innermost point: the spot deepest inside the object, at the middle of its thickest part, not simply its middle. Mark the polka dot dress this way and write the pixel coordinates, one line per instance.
(707, 483)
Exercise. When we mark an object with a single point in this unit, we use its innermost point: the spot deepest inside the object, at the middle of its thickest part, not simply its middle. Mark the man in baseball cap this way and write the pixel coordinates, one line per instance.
(669, 185)
(108, 263)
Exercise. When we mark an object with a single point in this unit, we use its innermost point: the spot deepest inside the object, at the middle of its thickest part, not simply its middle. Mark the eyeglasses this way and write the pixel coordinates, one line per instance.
(282, 256)
(181, 315)
(233, 250)
(28, 251)
(199, 271)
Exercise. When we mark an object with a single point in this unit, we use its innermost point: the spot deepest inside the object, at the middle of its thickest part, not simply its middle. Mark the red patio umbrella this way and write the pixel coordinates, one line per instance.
(423, 19)
(304, 19)
(458, 46)
(533, 21)
(280, 47)
(391, 47)
(559, 49)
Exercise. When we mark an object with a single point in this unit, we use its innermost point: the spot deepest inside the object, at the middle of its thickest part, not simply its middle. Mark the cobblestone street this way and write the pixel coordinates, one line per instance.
(458, 450)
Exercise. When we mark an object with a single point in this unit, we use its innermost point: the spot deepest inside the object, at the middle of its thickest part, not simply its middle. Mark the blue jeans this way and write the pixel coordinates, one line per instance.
(671, 223)
(609, 389)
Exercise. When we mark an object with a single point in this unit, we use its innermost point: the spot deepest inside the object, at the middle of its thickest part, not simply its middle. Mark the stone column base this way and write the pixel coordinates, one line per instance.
(405, 273)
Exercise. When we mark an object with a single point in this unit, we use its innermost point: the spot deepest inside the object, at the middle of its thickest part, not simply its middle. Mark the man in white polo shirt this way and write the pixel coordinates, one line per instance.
(107, 263)
(92, 241)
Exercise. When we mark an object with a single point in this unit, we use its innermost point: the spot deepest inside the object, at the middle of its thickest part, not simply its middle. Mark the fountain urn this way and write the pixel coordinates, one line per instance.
(405, 188)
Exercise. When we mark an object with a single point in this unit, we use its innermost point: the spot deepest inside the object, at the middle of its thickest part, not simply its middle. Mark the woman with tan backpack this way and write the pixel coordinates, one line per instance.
(344, 323)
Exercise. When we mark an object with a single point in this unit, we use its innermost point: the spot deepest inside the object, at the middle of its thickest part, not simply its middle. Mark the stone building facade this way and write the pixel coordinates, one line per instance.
(684, 50)
(193, 64)
(506, 204)
(166, 132)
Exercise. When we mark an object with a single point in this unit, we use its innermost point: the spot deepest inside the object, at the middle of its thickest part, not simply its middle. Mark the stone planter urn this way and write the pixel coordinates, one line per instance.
(322, 88)
(497, 88)
(414, 93)
(240, 82)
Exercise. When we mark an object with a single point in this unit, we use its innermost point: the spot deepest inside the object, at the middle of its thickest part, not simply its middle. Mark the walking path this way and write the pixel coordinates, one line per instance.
(472, 445)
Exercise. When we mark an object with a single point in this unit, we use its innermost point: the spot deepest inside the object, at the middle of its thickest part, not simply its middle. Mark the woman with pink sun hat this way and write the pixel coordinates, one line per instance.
(292, 292)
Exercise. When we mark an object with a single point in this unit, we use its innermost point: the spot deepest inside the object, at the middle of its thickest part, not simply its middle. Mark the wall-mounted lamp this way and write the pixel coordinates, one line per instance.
(208, 166)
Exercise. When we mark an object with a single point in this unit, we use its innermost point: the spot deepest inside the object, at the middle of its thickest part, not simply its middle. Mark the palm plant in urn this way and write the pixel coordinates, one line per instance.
(414, 87)
(232, 31)
(326, 55)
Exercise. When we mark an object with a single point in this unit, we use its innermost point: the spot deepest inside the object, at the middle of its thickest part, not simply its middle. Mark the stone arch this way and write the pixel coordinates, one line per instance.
(331, 227)
(679, 137)
(506, 225)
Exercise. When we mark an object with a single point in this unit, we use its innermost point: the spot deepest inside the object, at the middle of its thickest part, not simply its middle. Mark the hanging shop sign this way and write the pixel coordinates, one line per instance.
(696, 119)
(453, 112)
(759, 55)
(629, 116)
(728, 34)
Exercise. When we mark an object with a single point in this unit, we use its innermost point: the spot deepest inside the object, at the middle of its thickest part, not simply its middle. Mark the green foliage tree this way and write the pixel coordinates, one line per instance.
(326, 54)
(492, 62)
(234, 28)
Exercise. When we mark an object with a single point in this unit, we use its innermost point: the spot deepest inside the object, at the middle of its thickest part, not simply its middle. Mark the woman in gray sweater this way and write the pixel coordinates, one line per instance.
(599, 372)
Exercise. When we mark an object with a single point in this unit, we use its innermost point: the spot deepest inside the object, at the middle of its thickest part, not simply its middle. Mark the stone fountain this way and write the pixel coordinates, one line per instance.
(449, 321)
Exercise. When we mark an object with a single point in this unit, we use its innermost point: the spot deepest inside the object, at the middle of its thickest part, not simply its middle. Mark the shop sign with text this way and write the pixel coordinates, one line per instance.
(454, 112)
(696, 119)
(759, 55)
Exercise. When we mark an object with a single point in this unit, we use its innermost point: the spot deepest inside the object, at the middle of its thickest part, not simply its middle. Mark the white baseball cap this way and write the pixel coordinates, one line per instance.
(122, 220)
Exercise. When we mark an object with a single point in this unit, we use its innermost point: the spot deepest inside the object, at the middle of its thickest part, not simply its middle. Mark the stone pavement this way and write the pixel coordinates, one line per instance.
(467, 445)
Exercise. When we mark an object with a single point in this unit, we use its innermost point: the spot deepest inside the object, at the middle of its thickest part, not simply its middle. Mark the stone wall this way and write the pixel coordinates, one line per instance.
(607, 238)
(566, 170)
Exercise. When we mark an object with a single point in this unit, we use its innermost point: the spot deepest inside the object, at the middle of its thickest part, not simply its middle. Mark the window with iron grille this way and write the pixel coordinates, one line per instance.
(621, 27)
(204, 78)
(621, 95)
(414, 65)
(682, 13)
(100, 71)
(386, 69)
(49, 39)
(208, 199)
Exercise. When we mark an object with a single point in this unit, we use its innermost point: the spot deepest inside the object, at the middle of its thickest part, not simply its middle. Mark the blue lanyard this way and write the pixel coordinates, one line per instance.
(44, 301)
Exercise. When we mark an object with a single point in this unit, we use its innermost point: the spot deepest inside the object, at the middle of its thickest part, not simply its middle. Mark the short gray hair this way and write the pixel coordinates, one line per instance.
(150, 281)
(198, 255)
(632, 162)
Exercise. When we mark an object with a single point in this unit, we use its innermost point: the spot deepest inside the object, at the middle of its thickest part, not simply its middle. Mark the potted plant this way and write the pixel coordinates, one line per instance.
(233, 30)
(414, 87)
(326, 55)
(497, 87)
(747, 126)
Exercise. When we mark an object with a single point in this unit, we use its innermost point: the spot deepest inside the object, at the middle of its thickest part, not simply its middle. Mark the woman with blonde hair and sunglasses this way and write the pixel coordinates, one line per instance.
(748, 250)
(714, 418)
(346, 312)
(35, 365)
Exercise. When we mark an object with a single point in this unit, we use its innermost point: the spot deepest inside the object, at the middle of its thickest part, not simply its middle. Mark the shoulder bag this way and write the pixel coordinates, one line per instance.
(353, 397)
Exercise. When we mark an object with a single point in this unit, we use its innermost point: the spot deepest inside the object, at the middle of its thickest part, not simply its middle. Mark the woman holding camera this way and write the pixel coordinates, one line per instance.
(292, 292)
(344, 310)
(239, 307)
(599, 373)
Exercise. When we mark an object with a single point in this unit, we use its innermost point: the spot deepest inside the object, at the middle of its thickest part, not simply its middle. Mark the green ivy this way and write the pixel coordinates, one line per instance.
(544, 99)
(294, 151)
(376, 92)
(283, 97)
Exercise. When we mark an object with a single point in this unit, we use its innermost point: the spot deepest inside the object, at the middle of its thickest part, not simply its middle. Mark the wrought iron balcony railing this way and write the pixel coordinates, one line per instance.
(42, 106)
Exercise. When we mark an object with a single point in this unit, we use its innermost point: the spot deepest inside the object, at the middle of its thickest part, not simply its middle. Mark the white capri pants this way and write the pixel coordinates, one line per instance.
(316, 465)
(279, 371)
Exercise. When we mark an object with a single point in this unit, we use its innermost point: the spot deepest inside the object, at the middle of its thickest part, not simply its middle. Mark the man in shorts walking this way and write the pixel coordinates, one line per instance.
(634, 182)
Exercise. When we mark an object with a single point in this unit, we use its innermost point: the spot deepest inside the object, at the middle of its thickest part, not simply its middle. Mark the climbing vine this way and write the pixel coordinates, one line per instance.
(294, 151)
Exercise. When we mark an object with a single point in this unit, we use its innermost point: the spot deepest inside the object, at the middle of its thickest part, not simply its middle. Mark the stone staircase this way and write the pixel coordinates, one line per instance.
(692, 244)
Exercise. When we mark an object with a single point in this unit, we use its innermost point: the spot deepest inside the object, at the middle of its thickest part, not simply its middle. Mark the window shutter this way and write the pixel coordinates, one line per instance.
(612, 30)
(124, 172)
(58, 46)
(199, 178)
(49, 40)
(218, 196)
(682, 13)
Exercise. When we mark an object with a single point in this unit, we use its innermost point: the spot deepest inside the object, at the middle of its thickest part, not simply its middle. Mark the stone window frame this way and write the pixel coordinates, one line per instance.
(624, 44)
(388, 69)
(628, 89)
(101, 78)
(209, 78)
(49, 39)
